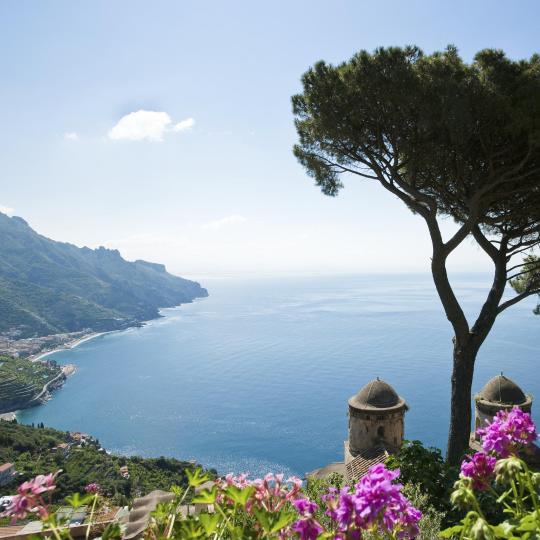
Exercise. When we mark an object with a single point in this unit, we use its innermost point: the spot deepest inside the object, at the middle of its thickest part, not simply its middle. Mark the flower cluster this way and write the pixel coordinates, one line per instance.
(270, 493)
(307, 527)
(376, 503)
(508, 433)
(29, 498)
(503, 439)
(480, 468)
(93, 488)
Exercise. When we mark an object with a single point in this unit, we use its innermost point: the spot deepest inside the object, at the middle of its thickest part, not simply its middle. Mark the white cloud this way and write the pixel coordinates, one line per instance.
(224, 222)
(146, 125)
(6, 210)
(71, 136)
(188, 123)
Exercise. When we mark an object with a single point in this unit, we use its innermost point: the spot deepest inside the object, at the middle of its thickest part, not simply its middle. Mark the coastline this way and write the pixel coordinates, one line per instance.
(69, 369)
(68, 345)
(46, 393)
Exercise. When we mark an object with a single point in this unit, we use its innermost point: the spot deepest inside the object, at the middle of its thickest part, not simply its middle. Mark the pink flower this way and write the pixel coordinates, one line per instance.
(92, 488)
(480, 468)
(508, 433)
(18, 508)
(271, 492)
(29, 498)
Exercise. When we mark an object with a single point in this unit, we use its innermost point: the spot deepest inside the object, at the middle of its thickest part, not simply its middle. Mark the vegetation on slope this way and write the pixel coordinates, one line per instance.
(49, 287)
(35, 451)
(21, 381)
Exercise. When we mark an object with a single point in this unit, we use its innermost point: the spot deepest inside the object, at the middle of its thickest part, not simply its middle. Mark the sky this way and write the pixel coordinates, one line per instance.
(164, 129)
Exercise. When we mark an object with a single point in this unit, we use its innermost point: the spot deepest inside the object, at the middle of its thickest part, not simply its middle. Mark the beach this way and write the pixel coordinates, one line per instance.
(67, 345)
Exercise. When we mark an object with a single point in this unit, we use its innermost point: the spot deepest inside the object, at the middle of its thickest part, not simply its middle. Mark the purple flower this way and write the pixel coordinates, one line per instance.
(305, 506)
(375, 502)
(92, 488)
(307, 527)
(508, 433)
(480, 468)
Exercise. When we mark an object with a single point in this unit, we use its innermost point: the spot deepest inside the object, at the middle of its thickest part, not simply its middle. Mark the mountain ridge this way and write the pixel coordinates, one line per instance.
(49, 287)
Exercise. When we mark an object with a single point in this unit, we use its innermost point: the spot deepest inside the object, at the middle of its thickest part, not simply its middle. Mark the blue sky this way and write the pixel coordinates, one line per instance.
(222, 193)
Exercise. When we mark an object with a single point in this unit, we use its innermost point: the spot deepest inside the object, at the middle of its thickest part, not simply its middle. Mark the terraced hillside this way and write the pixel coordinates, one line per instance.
(22, 382)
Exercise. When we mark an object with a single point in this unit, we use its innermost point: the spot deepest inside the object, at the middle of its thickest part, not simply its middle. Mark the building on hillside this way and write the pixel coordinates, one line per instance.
(62, 448)
(7, 472)
(80, 438)
(499, 394)
(376, 429)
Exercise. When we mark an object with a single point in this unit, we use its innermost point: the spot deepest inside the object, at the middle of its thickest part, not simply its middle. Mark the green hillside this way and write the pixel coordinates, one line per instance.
(21, 381)
(35, 451)
(49, 287)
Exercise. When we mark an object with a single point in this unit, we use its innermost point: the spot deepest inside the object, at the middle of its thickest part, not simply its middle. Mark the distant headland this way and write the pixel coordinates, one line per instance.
(55, 294)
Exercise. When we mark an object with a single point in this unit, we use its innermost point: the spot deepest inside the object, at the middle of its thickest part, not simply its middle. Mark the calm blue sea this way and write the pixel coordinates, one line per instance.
(256, 377)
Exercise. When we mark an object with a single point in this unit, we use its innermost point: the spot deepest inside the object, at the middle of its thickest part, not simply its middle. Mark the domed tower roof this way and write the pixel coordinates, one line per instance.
(502, 390)
(377, 395)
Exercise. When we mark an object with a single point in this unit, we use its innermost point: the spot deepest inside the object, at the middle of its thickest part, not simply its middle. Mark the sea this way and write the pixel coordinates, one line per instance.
(255, 378)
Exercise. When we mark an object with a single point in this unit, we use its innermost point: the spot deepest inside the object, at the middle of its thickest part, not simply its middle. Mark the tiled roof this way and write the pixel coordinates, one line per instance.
(360, 465)
(10, 530)
(139, 515)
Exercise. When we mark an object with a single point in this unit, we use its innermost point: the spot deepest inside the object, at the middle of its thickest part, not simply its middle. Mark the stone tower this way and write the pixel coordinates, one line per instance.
(499, 393)
(376, 419)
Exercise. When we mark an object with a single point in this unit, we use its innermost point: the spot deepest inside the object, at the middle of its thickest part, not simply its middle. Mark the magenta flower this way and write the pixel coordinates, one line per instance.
(375, 502)
(92, 488)
(508, 433)
(480, 468)
(308, 528)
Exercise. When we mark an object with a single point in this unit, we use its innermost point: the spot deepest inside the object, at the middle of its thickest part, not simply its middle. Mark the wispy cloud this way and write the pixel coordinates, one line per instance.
(6, 210)
(188, 123)
(147, 126)
(224, 222)
(71, 136)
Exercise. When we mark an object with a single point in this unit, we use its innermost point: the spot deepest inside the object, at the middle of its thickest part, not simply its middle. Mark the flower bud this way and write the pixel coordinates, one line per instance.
(481, 531)
(507, 469)
(463, 495)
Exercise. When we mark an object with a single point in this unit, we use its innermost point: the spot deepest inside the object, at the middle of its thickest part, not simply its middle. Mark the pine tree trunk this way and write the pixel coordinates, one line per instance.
(460, 416)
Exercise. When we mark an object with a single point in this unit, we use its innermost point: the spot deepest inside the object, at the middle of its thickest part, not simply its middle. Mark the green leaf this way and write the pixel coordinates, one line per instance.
(205, 496)
(529, 522)
(197, 477)
(239, 496)
(282, 519)
(209, 522)
(503, 530)
(112, 531)
(190, 529)
(77, 500)
(451, 531)
(262, 517)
